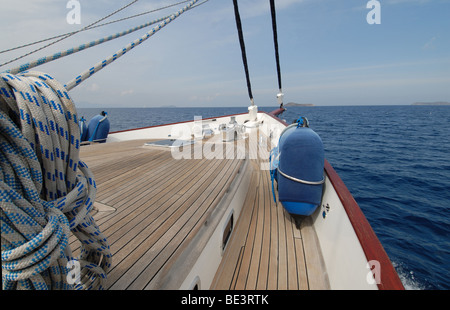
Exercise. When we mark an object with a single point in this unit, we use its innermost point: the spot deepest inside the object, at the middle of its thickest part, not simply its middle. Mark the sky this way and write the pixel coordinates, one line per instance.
(329, 53)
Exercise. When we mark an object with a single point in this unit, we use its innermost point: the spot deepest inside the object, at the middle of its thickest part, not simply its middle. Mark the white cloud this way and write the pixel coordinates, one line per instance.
(205, 98)
(255, 8)
(406, 1)
(430, 44)
(197, 58)
(127, 92)
(93, 87)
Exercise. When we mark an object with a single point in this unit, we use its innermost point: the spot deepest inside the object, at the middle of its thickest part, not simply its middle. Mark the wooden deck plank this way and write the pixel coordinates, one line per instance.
(108, 157)
(108, 189)
(135, 207)
(151, 191)
(171, 212)
(155, 184)
(160, 204)
(143, 184)
(301, 264)
(227, 273)
(272, 280)
(315, 266)
(179, 230)
(282, 259)
(201, 211)
(140, 217)
(255, 260)
(241, 281)
(270, 252)
(292, 274)
(266, 239)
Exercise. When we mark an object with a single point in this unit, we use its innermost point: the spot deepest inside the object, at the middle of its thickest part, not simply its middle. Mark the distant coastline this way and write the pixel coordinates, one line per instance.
(293, 104)
(431, 103)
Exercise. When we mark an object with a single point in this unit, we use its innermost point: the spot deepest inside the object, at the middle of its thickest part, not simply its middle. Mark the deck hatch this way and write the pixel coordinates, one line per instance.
(227, 232)
(170, 143)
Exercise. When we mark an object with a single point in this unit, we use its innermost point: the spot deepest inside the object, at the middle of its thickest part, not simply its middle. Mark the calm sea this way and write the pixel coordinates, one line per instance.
(395, 160)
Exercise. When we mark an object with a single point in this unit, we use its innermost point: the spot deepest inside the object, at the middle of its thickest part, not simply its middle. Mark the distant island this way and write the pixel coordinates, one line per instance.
(431, 103)
(293, 104)
(171, 106)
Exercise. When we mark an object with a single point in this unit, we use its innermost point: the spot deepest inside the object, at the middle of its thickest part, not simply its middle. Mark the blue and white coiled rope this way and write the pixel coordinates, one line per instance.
(46, 192)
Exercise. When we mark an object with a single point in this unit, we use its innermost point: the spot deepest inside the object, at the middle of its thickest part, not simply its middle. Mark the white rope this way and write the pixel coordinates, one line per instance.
(45, 190)
(79, 48)
(67, 36)
(89, 27)
(100, 65)
(300, 180)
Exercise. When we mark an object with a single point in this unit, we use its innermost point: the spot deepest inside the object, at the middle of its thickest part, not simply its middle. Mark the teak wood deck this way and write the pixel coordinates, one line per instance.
(267, 250)
(150, 206)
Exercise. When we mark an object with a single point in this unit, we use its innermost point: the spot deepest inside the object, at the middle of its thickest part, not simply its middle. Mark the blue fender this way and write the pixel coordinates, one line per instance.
(98, 128)
(83, 129)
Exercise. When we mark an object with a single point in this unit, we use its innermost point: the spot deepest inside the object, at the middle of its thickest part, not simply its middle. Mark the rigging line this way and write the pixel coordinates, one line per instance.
(275, 41)
(80, 48)
(93, 27)
(67, 36)
(199, 4)
(100, 65)
(244, 54)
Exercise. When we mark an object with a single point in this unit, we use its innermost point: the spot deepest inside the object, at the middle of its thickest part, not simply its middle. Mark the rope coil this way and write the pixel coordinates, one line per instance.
(46, 192)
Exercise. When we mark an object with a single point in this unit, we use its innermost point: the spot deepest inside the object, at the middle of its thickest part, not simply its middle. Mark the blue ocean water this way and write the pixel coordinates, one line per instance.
(395, 160)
